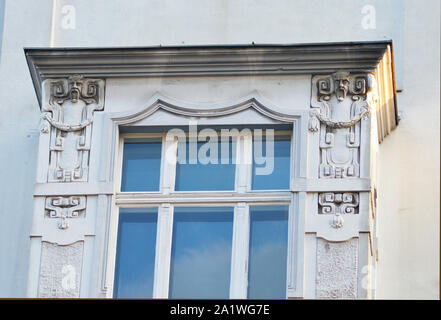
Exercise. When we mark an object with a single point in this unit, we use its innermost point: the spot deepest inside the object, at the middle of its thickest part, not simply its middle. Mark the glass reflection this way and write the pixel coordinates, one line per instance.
(201, 252)
(278, 178)
(141, 166)
(205, 171)
(268, 252)
(135, 258)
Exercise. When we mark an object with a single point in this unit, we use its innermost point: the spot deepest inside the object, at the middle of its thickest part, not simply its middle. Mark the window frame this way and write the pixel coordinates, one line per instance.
(241, 217)
(165, 200)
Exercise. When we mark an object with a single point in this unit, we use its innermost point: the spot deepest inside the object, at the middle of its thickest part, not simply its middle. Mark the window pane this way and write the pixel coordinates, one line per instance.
(201, 252)
(141, 166)
(271, 172)
(135, 257)
(268, 252)
(194, 175)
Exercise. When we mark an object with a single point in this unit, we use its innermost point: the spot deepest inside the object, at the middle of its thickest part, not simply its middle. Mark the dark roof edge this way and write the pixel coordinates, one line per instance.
(154, 61)
(213, 46)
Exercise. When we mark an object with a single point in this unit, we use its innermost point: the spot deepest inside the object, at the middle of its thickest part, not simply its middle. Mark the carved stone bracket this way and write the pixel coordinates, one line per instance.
(68, 108)
(338, 204)
(65, 208)
(339, 104)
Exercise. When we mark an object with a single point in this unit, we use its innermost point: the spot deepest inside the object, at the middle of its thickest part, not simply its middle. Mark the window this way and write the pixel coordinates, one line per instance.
(204, 214)
(268, 252)
(213, 172)
(202, 243)
(141, 165)
(276, 175)
(135, 269)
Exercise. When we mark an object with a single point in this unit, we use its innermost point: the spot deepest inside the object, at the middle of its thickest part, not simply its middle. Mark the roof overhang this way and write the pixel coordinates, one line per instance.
(214, 60)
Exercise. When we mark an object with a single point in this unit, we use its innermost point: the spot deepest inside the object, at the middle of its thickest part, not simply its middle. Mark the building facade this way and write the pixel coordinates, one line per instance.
(335, 98)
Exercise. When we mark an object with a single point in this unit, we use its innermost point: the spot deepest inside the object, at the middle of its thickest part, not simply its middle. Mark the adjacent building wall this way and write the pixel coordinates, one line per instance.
(408, 191)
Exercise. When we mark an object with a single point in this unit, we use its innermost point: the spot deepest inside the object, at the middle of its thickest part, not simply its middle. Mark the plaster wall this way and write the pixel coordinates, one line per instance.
(408, 169)
(19, 119)
(290, 92)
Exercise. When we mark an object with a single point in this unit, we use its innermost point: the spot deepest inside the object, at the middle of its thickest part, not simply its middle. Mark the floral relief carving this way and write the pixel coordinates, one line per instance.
(338, 105)
(67, 116)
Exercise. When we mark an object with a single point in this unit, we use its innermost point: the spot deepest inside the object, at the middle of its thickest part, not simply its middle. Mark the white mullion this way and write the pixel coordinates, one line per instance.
(119, 164)
(296, 249)
(111, 249)
(163, 251)
(293, 158)
(243, 163)
(240, 252)
(248, 156)
(238, 170)
(290, 257)
(168, 164)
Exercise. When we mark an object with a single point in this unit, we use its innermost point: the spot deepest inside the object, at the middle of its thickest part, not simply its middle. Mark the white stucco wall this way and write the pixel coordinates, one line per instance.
(408, 214)
(19, 118)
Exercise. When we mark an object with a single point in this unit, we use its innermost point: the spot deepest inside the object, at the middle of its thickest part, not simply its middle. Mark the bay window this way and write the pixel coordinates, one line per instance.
(223, 195)
(209, 171)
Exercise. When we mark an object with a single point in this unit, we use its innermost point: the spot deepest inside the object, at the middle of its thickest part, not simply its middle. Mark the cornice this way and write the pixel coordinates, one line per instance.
(232, 60)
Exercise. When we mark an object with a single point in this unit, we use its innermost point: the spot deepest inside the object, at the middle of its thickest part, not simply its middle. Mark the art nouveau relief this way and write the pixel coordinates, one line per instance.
(68, 107)
(339, 104)
(338, 204)
(65, 208)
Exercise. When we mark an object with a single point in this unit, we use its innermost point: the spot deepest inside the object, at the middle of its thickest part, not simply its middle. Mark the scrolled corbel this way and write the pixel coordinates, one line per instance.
(338, 204)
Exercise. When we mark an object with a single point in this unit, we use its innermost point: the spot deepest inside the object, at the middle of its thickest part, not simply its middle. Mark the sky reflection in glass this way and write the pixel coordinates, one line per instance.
(141, 166)
(201, 252)
(268, 252)
(135, 258)
(205, 177)
(280, 176)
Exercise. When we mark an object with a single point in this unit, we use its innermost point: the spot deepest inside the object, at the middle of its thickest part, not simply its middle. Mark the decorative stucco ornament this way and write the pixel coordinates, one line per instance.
(339, 103)
(69, 105)
(338, 204)
(65, 208)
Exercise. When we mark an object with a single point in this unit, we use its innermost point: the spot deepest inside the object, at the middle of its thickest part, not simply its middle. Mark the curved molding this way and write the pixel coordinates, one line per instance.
(254, 100)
